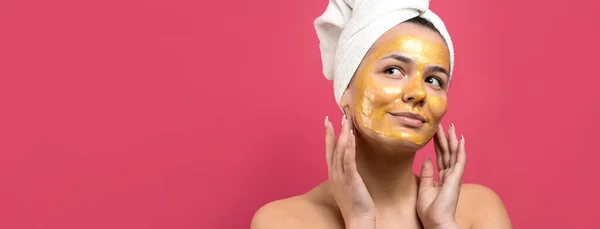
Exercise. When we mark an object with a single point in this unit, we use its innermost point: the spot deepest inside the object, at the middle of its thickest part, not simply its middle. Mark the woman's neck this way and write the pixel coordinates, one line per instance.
(387, 173)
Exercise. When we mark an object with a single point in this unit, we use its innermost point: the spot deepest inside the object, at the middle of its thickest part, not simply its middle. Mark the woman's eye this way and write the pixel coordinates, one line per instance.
(433, 80)
(393, 71)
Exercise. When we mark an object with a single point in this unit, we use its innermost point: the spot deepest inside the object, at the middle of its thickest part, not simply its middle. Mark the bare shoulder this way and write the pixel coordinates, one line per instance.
(279, 214)
(482, 207)
(298, 212)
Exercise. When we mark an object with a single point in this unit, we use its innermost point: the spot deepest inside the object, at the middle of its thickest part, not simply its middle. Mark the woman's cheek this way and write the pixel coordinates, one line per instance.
(438, 106)
(364, 105)
(372, 102)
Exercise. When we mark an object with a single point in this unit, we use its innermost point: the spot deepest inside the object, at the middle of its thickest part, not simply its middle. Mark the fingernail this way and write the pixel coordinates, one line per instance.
(452, 125)
(463, 137)
(352, 132)
(326, 120)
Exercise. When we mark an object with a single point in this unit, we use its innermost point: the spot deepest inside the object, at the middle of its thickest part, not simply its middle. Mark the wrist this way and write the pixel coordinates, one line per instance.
(364, 223)
(449, 225)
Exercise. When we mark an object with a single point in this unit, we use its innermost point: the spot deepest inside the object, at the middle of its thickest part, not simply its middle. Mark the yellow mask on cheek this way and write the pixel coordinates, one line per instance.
(375, 94)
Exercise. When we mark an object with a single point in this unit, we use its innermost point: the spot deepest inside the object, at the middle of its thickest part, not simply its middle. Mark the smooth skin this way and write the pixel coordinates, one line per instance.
(370, 180)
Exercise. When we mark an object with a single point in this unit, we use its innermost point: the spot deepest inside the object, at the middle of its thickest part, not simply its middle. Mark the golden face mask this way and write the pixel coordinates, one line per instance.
(399, 90)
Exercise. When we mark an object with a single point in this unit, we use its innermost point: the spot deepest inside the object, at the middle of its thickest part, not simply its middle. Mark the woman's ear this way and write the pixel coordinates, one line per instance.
(346, 101)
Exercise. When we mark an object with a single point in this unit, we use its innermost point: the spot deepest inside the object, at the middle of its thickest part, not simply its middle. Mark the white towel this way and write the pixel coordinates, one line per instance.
(348, 28)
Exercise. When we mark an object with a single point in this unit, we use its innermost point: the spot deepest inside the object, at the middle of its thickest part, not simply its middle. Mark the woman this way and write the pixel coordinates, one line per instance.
(394, 101)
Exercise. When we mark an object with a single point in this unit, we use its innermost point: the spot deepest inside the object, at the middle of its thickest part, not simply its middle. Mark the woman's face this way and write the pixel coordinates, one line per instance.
(398, 94)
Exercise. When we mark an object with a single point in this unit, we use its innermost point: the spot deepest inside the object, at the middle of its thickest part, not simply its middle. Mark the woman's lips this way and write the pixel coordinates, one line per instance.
(409, 119)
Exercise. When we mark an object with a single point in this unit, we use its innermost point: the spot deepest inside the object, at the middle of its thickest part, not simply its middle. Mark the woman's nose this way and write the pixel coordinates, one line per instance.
(414, 91)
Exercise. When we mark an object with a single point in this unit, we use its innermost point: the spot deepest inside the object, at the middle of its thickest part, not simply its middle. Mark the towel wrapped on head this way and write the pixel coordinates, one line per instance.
(348, 28)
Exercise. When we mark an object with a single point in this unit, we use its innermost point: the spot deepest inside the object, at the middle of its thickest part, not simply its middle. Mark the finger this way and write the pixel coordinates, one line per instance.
(455, 176)
(439, 160)
(461, 160)
(443, 141)
(438, 152)
(350, 153)
(426, 174)
(329, 141)
(453, 141)
(341, 145)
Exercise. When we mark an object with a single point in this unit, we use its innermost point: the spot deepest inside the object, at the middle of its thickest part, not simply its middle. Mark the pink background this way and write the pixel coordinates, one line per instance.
(192, 114)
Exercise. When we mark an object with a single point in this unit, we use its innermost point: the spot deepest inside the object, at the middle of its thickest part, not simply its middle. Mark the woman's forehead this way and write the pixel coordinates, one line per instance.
(414, 41)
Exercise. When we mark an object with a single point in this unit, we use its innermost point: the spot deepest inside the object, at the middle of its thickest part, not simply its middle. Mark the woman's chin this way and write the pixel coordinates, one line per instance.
(398, 141)
(404, 144)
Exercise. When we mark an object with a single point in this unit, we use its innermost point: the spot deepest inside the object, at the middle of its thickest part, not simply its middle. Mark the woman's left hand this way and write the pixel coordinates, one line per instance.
(436, 202)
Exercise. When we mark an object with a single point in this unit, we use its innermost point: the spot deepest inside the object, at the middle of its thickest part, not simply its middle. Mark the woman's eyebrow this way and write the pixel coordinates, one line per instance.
(400, 58)
(439, 69)
(410, 61)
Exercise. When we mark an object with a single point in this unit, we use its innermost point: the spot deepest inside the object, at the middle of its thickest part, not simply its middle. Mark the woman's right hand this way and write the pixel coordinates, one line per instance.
(347, 186)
